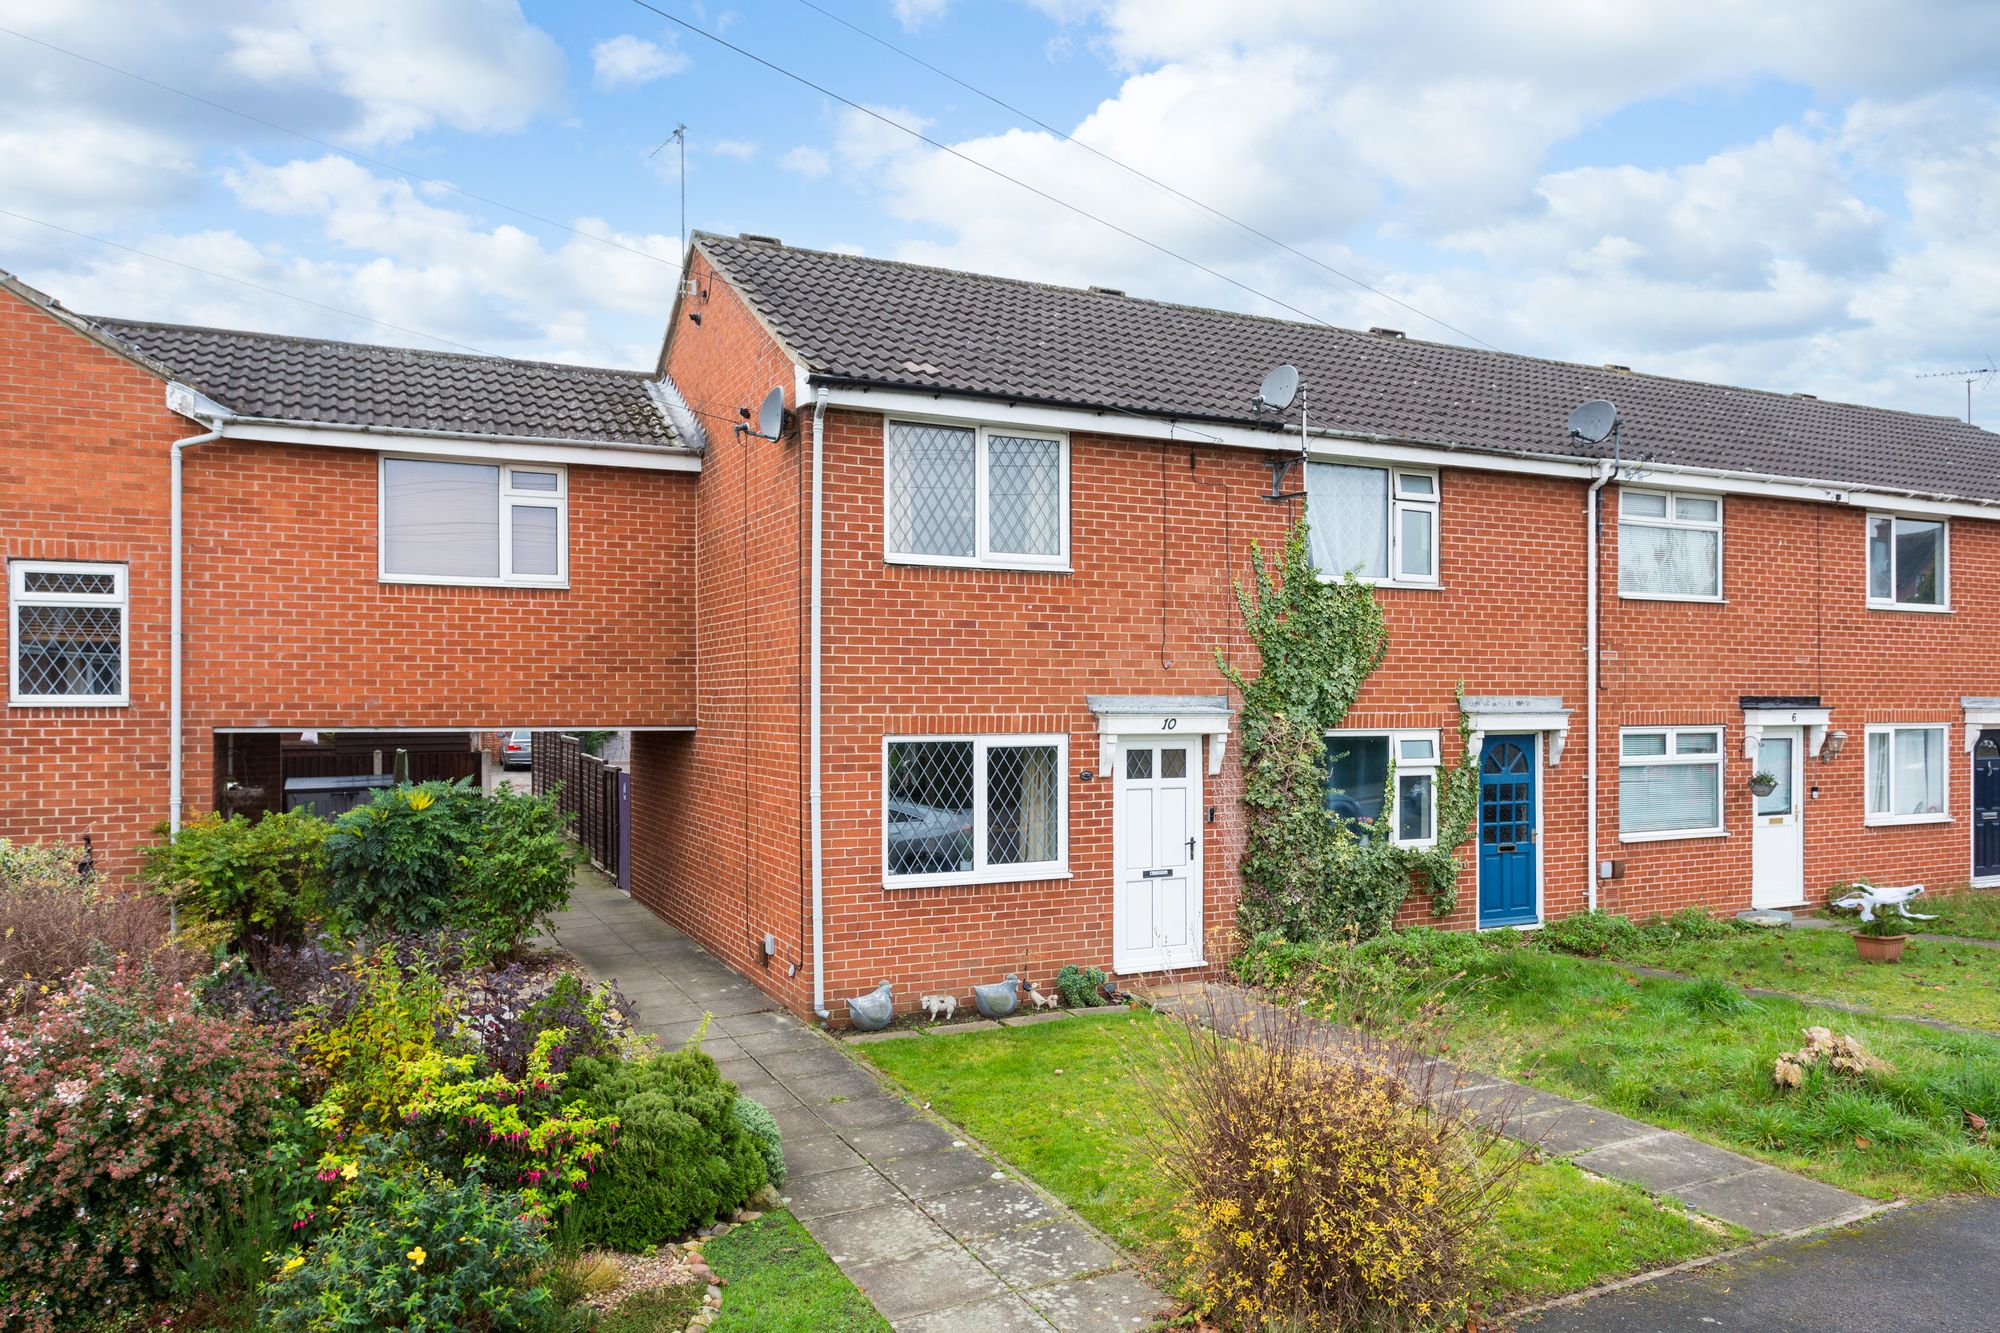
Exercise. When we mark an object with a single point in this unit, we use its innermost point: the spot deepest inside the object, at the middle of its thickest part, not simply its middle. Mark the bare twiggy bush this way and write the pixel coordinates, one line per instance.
(54, 920)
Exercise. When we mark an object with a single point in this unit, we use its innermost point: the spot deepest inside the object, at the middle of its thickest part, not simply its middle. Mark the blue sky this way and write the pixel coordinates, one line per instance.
(1794, 196)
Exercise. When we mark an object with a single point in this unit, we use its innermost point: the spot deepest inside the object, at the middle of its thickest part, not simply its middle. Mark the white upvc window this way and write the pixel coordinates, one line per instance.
(974, 809)
(1909, 563)
(1358, 764)
(483, 524)
(1669, 783)
(1908, 774)
(956, 494)
(1669, 546)
(68, 632)
(1377, 523)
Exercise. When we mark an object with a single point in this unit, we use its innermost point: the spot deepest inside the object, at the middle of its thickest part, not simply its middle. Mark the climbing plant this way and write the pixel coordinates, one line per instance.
(1304, 874)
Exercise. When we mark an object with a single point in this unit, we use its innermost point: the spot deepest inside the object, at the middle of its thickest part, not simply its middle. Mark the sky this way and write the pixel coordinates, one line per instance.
(1801, 196)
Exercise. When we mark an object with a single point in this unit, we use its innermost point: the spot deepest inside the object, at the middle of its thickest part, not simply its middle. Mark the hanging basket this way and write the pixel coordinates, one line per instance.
(1763, 785)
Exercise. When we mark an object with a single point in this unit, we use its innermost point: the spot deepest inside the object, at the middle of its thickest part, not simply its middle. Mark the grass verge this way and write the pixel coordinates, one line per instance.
(1057, 1100)
(781, 1281)
(1975, 913)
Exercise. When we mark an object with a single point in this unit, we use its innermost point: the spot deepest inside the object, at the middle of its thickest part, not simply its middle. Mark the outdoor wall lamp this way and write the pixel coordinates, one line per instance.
(1836, 741)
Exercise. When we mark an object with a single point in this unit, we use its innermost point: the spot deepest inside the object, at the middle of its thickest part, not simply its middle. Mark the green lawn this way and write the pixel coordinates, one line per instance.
(780, 1281)
(1696, 1056)
(1059, 1101)
(1959, 983)
(1974, 913)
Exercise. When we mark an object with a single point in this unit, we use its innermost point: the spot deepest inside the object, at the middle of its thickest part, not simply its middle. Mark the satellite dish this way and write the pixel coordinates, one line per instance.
(1279, 388)
(1594, 421)
(771, 415)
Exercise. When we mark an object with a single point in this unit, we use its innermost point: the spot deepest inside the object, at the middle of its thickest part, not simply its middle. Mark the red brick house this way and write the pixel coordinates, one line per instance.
(923, 685)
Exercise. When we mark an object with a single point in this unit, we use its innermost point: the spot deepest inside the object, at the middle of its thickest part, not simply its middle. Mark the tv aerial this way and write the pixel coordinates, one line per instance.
(1979, 378)
(1280, 389)
(770, 417)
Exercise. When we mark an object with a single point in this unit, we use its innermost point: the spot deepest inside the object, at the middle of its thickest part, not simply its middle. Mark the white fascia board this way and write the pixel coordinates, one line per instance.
(455, 726)
(486, 448)
(1337, 446)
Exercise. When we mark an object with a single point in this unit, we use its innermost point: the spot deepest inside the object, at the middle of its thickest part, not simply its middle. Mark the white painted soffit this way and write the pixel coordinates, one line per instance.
(1980, 714)
(1152, 715)
(1757, 717)
(1503, 713)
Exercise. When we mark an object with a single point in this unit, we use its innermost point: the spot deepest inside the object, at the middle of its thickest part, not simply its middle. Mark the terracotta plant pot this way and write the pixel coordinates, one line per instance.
(1880, 948)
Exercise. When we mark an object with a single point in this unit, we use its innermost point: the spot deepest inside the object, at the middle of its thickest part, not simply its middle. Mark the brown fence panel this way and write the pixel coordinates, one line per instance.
(587, 790)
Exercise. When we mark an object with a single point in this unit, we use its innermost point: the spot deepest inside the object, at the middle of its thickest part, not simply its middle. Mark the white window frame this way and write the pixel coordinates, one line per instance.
(1673, 756)
(18, 597)
(981, 873)
(983, 556)
(1672, 519)
(1400, 499)
(1872, 819)
(1890, 603)
(511, 498)
(1399, 768)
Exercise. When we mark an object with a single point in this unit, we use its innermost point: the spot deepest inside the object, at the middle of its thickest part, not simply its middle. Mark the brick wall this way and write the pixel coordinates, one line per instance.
(286, 623)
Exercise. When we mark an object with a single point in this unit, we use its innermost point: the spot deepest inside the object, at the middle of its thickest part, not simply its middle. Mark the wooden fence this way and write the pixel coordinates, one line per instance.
(596, 796)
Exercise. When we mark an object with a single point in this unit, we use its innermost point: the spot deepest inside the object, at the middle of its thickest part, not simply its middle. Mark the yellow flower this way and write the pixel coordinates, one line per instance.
(350, 1171)
(296, 1261)
(417, 1257)
(421, 800)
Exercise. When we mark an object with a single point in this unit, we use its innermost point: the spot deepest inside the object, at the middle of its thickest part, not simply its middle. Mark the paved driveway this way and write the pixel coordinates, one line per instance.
(1930, 1267)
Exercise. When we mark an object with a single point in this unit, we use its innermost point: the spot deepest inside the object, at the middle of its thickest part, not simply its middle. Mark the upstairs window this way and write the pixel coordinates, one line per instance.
(1906, 775)
(1907, 562)
(975, 495)
(1357, 783)
(474, 523)
(1378, 524)
(1669, 546)
(68, 626)
(1669, 783)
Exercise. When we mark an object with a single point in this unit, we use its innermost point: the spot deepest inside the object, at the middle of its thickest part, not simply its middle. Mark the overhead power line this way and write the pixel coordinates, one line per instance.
(1244, 227)
(347, 152)
(991, 170)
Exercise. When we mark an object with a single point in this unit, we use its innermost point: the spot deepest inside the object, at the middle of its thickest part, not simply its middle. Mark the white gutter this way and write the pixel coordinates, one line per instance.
(1590, 514)
(186, 402)
(813, 709)
(464, 444)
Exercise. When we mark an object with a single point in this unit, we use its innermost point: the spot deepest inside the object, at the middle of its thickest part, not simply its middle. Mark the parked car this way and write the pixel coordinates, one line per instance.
(926, 839)
(517, 749)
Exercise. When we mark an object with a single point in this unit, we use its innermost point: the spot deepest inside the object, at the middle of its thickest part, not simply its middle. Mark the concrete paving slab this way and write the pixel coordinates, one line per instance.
(1770, 1201)
(893, 1034)
(800, 1122)
(1029, 1020)
(828, 1192)
(1000, 1314)
(988, 1210)
(809, 1157)
(866, 1112)
(922, 1283)
(766, 1023)
(947, 1029)
(1121, 1300)
(1037, 1256)
(839, 1086)
(777, 1041)
(923, 1175)
(1579, 1128)
(822, 1058)
(1663, 1163)
(767, 1093)
(885, 1232)
(900, 1138)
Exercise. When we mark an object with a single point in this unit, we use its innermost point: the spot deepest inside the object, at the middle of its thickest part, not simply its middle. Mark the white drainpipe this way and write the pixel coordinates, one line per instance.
(174, 652)
(1590, 510)
(813, 709)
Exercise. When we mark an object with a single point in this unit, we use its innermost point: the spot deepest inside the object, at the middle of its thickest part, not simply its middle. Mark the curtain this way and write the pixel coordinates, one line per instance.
(1348, 508)
(1021, 804)
(1878, 773)
(1668, 562)
(1919, 781)
(1024, 479)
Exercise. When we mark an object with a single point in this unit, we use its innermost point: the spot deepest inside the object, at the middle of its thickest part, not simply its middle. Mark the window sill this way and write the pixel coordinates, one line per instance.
(1670, 597)
(974, 879)
(1674, 835)
(1897, 821)
(1406, 585)
(415, 581)
(1920, 609)
(946, 562)
(89, 701)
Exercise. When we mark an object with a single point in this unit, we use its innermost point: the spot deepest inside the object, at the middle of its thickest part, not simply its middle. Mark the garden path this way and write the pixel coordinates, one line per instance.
(941, 1238)
(1711, 1180)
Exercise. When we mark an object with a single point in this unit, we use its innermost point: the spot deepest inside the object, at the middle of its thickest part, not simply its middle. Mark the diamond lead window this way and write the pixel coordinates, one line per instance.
(68, 630)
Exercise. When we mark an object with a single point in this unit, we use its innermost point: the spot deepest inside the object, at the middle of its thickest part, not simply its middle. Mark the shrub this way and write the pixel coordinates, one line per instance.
(417, 1252)
(264, 880)
(390, 862)
(1323, 1180)
(131, 1119)
(520, 869)
(682, 1157)
(54, 921)
(362, 1044)
(506, 1009)
(762, 1127)
(1591, 934)
(1692, 924)
(1078, 986)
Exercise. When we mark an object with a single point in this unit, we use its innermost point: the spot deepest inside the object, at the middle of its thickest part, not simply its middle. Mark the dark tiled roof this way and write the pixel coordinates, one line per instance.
(360, 384)
(879, 322)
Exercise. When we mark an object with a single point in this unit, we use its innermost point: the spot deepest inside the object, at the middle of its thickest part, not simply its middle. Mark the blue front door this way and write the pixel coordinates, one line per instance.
(1507, 831)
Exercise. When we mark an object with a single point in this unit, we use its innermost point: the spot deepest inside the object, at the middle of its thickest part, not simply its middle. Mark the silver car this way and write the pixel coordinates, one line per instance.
(517, 749)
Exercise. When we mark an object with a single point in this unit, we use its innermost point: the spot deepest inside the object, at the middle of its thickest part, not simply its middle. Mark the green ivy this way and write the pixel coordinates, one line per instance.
(1306, 876)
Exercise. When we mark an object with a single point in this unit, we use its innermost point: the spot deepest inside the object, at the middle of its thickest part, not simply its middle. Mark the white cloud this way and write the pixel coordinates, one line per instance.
(914, 14)
(740, 149)
(627, 60)
(808, 162)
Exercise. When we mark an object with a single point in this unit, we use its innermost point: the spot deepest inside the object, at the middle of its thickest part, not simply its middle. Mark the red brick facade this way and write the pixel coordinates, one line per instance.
(286, 623)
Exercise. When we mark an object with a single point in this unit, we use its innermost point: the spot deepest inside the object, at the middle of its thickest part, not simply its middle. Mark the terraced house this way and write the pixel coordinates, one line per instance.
(923, 680)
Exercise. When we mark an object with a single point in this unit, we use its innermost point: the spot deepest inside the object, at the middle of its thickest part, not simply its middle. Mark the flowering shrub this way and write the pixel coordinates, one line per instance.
(1320, 1187)
(390, 862)
(363, 1044)
(54, 921)
(507, 1009)
(414, 1251)
(264, 880)
(130, 1118)
(682, 1158)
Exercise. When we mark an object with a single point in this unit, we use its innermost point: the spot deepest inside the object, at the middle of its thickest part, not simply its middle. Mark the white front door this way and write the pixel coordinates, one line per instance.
(1778, 829)
(1156, 907)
